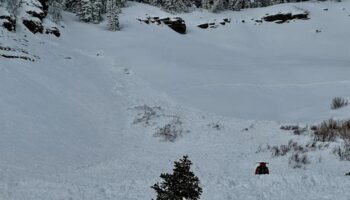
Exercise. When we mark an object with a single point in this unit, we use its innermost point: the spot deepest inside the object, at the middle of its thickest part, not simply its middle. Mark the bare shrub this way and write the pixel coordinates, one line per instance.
(298, 160)
(297, 130)
(290, 127)
(343, 151)
(338, 102)
(170, 131)
(283, 150)
(329, 130)
(147, 114)
(217, 126)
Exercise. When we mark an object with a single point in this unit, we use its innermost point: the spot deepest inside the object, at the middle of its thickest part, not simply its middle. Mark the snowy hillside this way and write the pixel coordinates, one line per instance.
(80, 118)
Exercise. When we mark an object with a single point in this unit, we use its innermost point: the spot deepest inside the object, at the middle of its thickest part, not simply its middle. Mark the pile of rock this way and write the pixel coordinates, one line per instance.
(215, 25)
(7, 20)
(177, 24)
(281, 18)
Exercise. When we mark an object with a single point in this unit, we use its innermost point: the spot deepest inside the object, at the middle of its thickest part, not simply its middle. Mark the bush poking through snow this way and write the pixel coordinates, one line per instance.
(343, 151)
(283, 150)
(329, 130)
(298, 160)
(338, 102)
(148, 113)
(217, 126)
(180, 185)
(295, 128)
(170, 131)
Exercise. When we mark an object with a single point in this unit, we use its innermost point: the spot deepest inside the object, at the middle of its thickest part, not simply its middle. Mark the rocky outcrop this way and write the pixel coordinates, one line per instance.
(54, 31)
(214, 24)
(177, 24)
(34, 26)
(11, 53)
(33, 13)
(285, 17)
(8, 22)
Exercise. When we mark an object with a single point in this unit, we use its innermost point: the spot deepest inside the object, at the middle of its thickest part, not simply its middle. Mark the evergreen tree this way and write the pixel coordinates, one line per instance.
(113, 11)
(72, 5)
(181, 184)
(96, 11)
(55, 10)
(207, 4)
(85, 12)
(218, 5)
(174, 6)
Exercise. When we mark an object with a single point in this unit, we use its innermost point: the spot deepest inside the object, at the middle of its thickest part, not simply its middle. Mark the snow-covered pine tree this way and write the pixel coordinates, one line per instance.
(180, 185)
(113, 11)
(207, 4)
(72, 5)
(122, 3)
(85, 12)
(55, 10)
(263, 3)
(239, 4)
(96, 11)
(174, 6)
(218, 5)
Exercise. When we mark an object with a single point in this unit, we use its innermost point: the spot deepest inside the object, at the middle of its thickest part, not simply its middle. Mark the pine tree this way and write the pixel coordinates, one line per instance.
(55, 10)
(113, 11)
(181, 184)
(174, 6)
(85, 13)
(218, 5)
(96, 11)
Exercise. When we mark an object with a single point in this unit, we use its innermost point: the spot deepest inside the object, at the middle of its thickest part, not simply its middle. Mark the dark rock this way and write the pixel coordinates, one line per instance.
(20, 57)
(53, 30)
(45, 6)
(285, 17)
(278, 17)
(34, 26)
(326, 9)
(165, 19)
(203, 26)
(227, 20)
(40, 15)
(243, 21)
(303, 16)
(178, 25)
(8, 22)
(222, 23)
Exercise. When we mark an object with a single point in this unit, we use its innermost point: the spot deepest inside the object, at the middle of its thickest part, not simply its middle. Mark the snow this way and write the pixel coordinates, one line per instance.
(66, 120)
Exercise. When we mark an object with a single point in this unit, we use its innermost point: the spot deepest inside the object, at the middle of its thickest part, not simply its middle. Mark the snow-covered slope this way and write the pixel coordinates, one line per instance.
(67, 120)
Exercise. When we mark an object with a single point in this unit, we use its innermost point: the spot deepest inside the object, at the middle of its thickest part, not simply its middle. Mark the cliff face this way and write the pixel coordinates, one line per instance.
(31, 14)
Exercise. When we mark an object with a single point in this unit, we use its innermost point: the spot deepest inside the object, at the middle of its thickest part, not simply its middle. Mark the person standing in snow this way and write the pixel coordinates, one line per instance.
(262, 169)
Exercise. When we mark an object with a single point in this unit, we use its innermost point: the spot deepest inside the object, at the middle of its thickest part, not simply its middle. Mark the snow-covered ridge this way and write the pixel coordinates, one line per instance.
(70, 121)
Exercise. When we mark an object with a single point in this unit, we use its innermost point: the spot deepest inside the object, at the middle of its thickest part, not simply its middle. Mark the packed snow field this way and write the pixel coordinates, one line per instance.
(79, 121)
